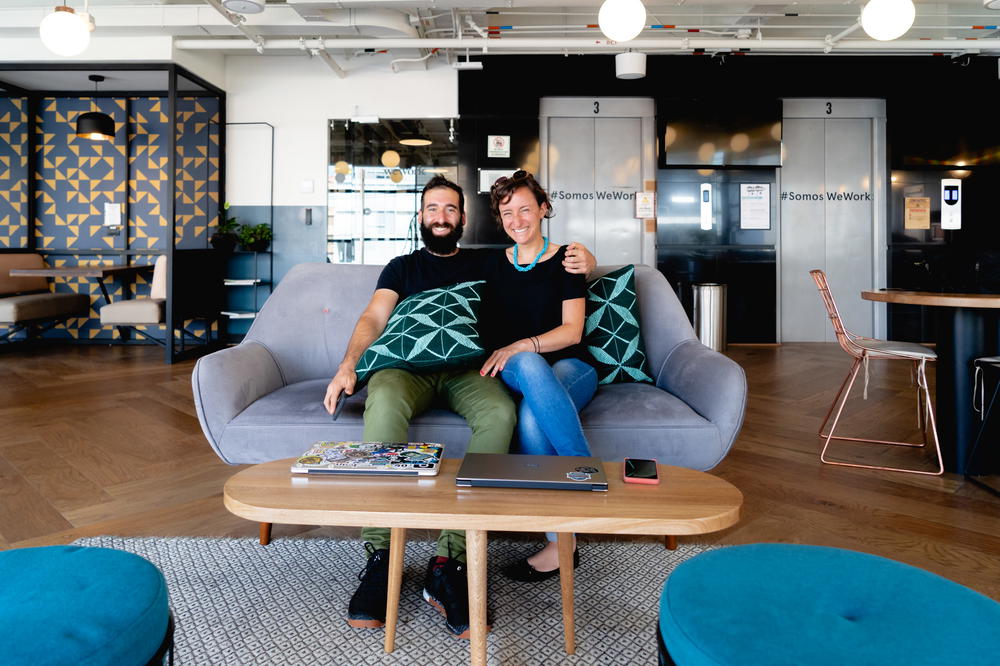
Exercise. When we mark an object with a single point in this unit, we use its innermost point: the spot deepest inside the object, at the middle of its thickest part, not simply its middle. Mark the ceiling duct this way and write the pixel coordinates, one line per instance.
(366, 22)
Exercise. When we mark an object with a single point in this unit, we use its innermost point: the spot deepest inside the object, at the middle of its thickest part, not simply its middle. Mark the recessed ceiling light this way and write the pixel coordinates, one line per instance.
(416, 141)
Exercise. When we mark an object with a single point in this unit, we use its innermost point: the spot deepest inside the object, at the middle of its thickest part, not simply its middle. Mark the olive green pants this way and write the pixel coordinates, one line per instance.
(396, 396)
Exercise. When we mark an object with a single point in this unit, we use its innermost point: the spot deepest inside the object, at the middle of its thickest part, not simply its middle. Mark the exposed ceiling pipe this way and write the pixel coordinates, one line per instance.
(472, 24)
(395, 63)
(237, 20)
(990, 45)
(330, 62)
(832, 41)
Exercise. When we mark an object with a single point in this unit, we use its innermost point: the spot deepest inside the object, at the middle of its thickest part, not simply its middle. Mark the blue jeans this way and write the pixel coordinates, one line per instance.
(547, 420)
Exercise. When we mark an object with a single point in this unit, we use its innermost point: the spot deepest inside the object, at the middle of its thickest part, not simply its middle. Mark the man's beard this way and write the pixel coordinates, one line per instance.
(441, 244)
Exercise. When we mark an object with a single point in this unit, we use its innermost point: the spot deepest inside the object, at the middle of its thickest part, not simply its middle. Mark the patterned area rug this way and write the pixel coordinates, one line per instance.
(237, 602)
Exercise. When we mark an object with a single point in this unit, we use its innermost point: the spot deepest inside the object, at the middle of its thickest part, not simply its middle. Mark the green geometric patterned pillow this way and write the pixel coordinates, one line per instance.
(428, 330)
(611, 332)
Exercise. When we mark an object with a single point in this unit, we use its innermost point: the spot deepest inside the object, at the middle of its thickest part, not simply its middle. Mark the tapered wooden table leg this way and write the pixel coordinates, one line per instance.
(265, 533)
(670, 542)
(566, 578)
(397, 549)
(475, 551)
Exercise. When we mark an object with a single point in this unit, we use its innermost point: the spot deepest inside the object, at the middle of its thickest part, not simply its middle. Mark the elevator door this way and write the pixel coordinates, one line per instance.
(597, 154)
(832, 215)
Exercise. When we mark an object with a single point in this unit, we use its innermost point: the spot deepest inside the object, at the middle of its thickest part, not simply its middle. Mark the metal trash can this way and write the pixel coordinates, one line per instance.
(710, 314)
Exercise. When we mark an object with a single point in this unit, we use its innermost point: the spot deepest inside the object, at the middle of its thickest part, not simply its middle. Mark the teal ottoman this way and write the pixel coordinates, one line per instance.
(82, 606)
(798, 605)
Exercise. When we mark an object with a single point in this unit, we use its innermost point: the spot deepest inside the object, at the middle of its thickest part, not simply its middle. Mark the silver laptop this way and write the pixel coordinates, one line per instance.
(508, 470)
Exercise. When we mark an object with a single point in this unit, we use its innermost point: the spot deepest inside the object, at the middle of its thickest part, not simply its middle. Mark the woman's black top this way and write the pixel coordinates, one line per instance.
(521, 304)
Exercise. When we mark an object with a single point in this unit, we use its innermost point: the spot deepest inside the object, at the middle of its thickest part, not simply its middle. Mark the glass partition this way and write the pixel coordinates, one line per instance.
(377, 170)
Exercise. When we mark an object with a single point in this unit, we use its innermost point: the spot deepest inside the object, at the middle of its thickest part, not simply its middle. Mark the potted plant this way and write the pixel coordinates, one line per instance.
(255, 237)
(225, 237)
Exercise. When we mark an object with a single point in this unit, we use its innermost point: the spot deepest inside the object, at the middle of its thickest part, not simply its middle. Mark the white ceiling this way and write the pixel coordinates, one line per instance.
(449, 29)
(75, 80)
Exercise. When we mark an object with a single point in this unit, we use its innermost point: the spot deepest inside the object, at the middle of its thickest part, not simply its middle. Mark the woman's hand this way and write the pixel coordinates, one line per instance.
(499, 358)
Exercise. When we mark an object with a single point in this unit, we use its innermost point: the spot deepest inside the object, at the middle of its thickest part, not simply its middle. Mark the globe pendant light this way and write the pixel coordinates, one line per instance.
(390, 159)
(886, 20)
(622, 20)
(64, 32)
(95, 125)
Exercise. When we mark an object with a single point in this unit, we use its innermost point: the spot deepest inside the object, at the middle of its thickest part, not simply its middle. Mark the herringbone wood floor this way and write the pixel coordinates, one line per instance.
(104, 440)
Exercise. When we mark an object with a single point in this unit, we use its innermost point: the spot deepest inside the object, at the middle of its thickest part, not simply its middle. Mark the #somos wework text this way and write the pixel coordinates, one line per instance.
(563, 195)
(828, 196)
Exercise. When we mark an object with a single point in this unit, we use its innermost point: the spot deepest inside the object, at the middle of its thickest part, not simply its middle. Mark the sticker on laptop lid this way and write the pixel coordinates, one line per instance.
(587, 469)
(578, 476)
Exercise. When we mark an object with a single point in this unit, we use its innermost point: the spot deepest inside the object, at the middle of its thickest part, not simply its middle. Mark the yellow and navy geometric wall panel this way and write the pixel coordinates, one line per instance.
(13, 172)
(75, 177)
(148, 176)
(197, 170)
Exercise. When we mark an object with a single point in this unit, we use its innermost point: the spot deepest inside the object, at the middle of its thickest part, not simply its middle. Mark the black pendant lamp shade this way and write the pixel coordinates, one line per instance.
(94, 124)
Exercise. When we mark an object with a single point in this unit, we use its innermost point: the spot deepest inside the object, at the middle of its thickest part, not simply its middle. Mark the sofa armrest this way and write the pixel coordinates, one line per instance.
(710, 383)
(228, 381)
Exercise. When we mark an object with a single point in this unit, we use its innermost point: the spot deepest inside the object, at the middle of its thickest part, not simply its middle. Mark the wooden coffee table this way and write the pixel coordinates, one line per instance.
(685, 502)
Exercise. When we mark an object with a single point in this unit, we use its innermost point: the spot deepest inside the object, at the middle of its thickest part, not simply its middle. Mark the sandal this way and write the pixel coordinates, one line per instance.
(522, 571)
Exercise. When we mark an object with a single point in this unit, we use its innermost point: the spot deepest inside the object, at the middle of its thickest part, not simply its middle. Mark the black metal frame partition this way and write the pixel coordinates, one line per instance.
(173, 71)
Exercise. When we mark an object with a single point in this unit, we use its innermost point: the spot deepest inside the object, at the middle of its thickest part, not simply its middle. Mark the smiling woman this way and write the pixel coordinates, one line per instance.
(375, 177)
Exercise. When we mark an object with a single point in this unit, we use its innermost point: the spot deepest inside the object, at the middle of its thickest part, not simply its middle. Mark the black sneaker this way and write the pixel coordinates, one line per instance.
(367, 607)
(447, 589)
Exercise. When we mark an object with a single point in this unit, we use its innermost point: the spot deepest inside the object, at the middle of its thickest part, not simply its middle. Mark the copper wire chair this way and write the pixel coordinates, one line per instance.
(862, 350)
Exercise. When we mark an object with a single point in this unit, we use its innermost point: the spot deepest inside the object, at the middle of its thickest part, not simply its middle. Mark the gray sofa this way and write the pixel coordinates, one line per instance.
(262, 399)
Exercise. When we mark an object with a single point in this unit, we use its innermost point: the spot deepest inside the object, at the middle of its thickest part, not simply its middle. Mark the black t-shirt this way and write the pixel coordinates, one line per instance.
(420, 270)
(521, 304)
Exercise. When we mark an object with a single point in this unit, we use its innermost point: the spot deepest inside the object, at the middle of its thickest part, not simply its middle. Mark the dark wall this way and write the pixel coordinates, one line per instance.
(926, 131)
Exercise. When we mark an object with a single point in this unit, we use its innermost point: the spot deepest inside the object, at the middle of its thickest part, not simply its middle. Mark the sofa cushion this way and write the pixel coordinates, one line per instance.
(10, 284)
(611, 332)
(134, 311)
(46, 305)
(643, 421)
(286, 422)
(428, 330)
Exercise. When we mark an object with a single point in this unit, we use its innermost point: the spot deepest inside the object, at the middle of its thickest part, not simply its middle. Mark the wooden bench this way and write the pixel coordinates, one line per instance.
(27, 303)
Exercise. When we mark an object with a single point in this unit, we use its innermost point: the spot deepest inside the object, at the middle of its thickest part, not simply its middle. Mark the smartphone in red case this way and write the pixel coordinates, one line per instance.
(640, 470)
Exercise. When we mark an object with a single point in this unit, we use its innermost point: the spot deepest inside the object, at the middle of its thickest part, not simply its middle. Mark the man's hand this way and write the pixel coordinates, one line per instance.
(343, 381)
(579, 259)
(370, 325)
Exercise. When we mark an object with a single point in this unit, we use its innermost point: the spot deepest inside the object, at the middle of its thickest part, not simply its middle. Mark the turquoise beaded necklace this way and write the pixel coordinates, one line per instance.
(538, 256)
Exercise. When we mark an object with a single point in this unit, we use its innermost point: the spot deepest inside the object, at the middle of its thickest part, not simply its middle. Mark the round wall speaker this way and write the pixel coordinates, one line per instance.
(244, 6)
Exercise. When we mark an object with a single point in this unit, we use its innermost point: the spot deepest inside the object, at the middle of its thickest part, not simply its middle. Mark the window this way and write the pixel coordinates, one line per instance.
(375, 177)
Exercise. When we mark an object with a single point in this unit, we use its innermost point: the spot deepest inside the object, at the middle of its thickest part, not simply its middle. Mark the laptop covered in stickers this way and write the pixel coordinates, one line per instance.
(371, 458)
